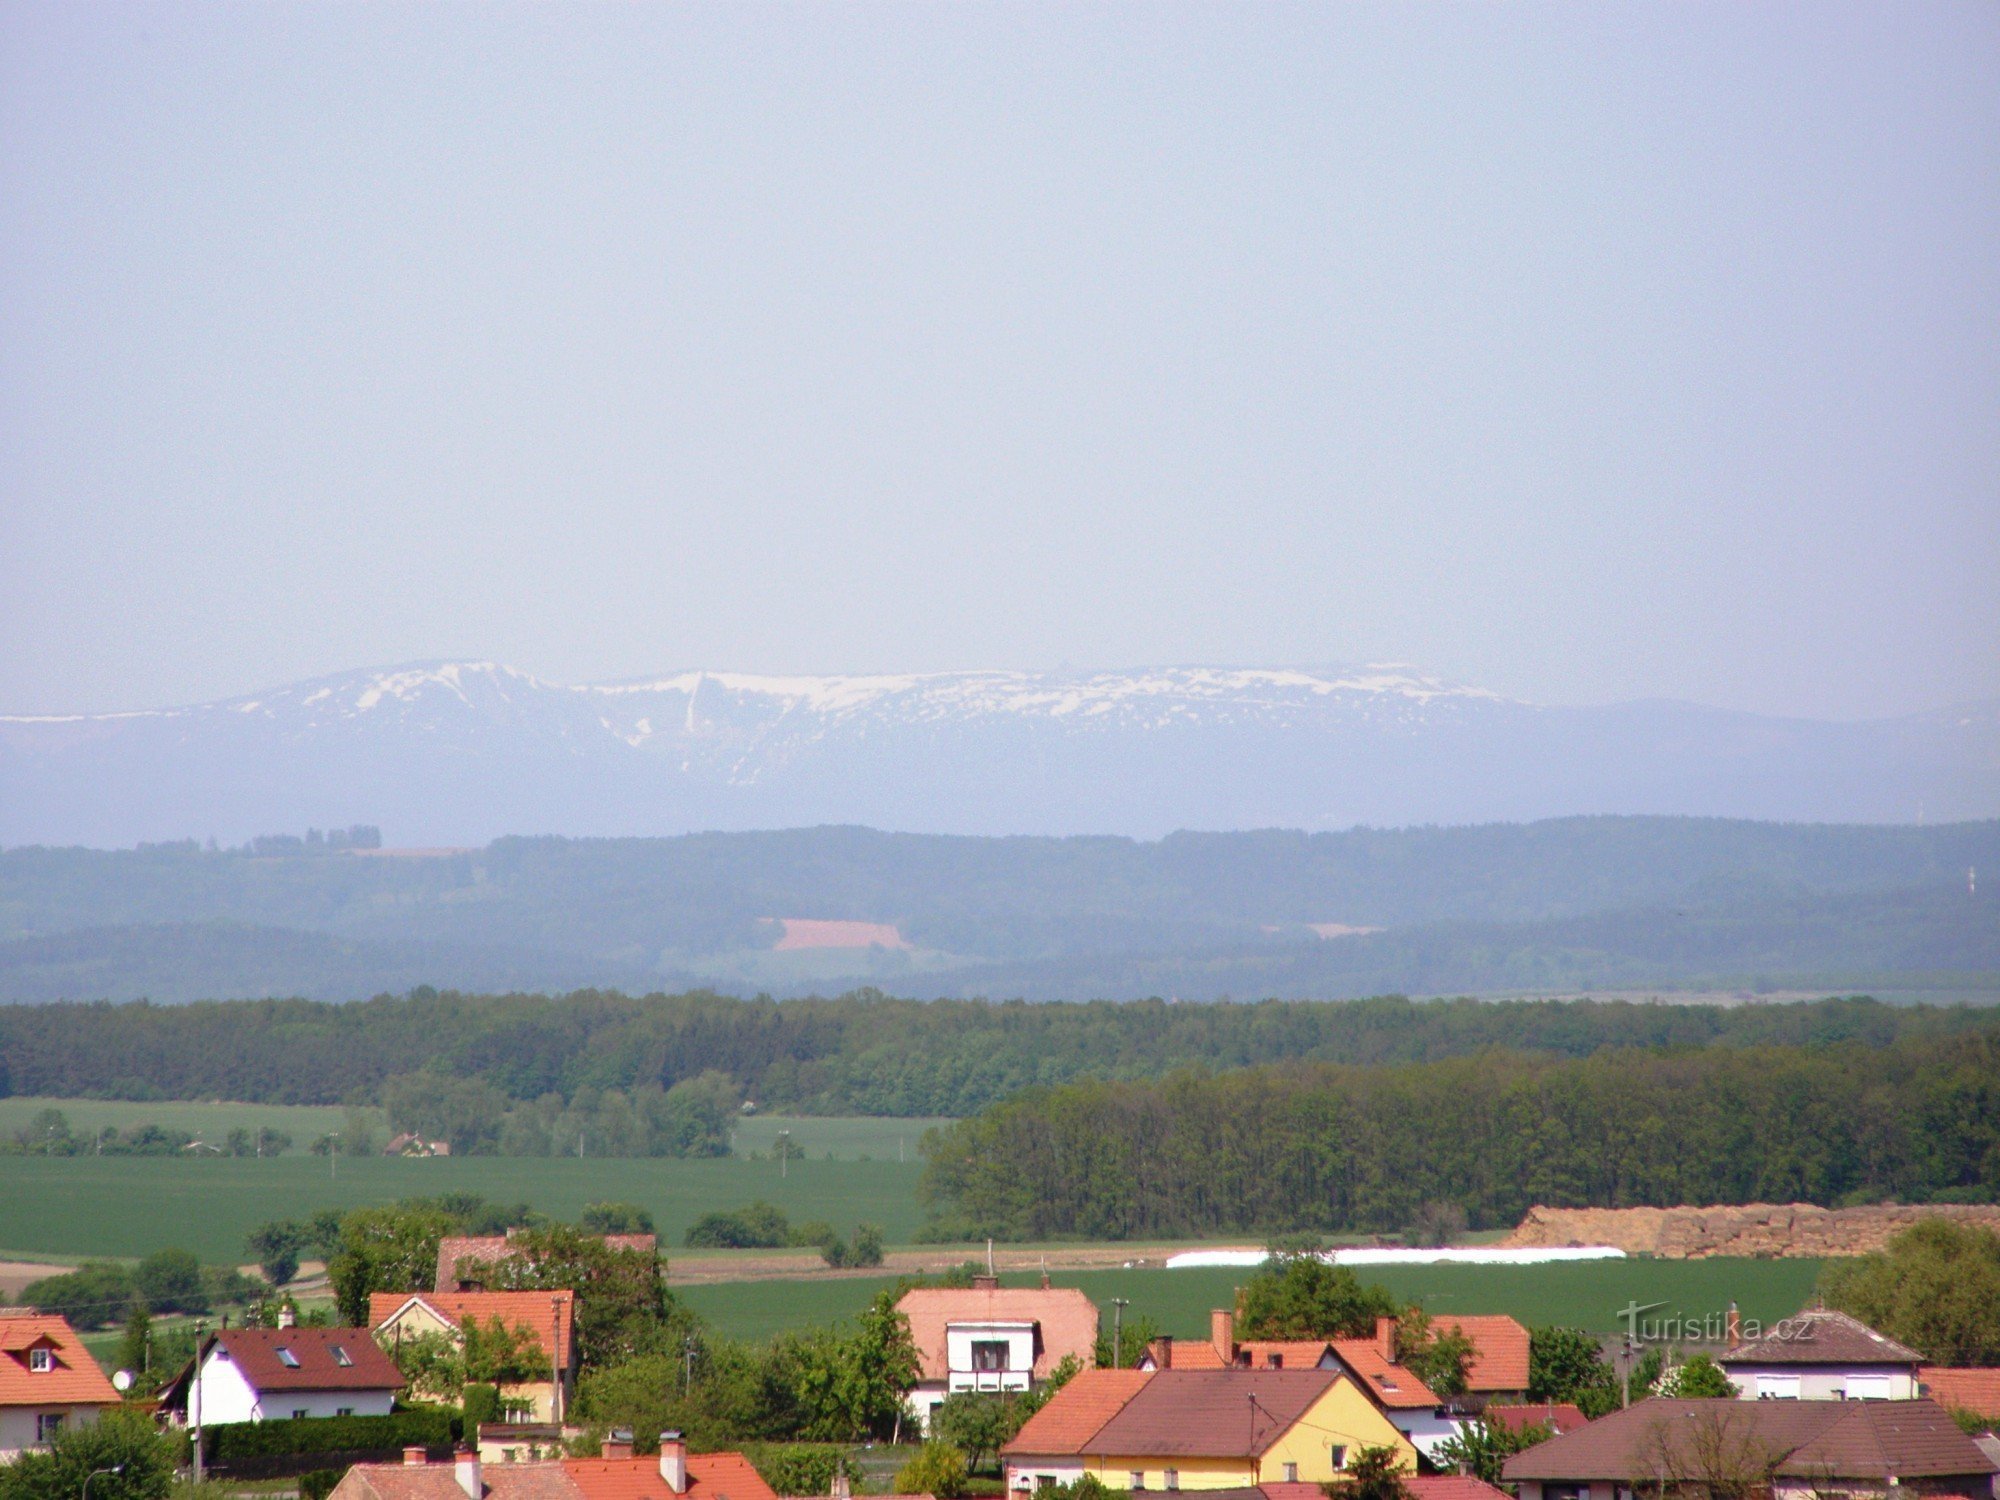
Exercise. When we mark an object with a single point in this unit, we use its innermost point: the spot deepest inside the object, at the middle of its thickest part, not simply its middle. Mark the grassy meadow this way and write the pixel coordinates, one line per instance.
(1586, 1295)
(304, 1123)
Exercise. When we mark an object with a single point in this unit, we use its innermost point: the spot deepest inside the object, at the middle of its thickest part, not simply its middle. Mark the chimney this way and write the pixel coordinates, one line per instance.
(288, 1316)
(1222, 1333)
(617, 1443)
(1733, 1329)
(465, 1469)
(1385, 1338)
(986, 1281)
(674, 1462)
(415, 1457)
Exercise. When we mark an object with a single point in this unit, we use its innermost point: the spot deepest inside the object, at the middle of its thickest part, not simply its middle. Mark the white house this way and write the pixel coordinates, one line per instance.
(992, 1338)
(47, 1382)
(272, 1374)
(1822, 1355)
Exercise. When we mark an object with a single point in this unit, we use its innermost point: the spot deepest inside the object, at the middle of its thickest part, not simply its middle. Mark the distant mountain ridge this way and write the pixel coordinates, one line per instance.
(457, 753)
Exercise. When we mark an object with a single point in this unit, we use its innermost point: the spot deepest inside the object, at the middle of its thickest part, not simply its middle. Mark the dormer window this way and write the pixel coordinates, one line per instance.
(41, 1361)
(1274, 1361)
(340, 1357)
(288, 1359)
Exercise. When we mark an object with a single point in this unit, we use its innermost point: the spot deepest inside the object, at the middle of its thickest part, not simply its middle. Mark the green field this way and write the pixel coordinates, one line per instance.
(849, 1138)
(304, 1123)
(128, 1206)
(1587, 1295)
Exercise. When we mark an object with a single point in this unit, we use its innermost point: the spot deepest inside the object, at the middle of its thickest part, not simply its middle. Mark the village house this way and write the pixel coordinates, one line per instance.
(48, 1381)
(1820, 1355)
(675, 1474)
(1789, 1449)
(465, 1261)
(275, 1374)
(546, 1321)
(1498, 1369)
(1962, 1389)
(1177, 1429)
(991, 1338)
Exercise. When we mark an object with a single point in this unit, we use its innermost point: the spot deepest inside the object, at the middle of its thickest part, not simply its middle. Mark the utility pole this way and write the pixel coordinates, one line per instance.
(194, 1396)
(687, 1358)
(784, 1153)
(1118, 1306)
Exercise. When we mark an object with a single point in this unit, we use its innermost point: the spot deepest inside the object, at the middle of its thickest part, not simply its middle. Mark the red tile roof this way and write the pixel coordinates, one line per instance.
(525, 1481)
(489, 1248)
(318, 1353)
(1500, 1350)
(1810, 1439)
(1963, 1389)
(1558, 1416)
(1066, 1321)
(1292, 1354)
(75, 1381)
(1391, 1386)
(1211, 1413)
(549, 1318)
(711, 1476)
(1074, 1414)
(1185, 1354)
(1451, 1487)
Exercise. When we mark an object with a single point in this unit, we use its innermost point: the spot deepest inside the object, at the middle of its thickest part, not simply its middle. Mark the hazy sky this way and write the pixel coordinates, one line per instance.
(1583, 353)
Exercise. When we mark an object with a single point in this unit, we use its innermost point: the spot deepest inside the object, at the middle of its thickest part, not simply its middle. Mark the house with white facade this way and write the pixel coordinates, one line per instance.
(1822, 1355)
(275, 1374)
(991, 1338)
(48, 1381)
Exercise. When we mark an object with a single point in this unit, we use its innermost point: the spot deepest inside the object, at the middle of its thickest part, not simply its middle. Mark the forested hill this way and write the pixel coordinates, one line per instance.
(1564, 906)
(860, 1054)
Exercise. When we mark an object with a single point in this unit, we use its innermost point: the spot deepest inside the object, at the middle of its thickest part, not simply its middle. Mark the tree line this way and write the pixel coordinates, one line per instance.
(862, 1053)
(1322, 1147)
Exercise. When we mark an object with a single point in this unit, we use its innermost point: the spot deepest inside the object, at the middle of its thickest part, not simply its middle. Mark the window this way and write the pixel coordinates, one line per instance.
(288, 1359)
(989, 1354)
(47, 1425)
(1291, 1473)
(41, 1361)
(1340, 1455)
(343, 1411)
(340, 1357)
(1138, 1479)
(1274, 1360)
(298, 1414)
(1173, 1479)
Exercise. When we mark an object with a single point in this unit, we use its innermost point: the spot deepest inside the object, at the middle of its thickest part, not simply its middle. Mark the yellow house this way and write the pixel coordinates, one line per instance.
(542, 1386)
(1201, 1430)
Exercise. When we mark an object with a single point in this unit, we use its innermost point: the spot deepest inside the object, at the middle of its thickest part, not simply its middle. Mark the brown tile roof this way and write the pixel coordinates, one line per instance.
(1558, 1416)
(711, 1476)
(1813, 1439)
(1451, 1487)
(1067, 1321)
(1211, 1413)
(1964, 1389)
(76, 1379)
(1499, 1350)
(489, 1248)
(1074, 1414)
(549, 1318)
(1391, 1386)
(260, 1354)
(1821, 1336)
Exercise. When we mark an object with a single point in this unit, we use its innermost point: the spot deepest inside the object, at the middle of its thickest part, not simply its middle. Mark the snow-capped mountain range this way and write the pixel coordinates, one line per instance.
(455, 753)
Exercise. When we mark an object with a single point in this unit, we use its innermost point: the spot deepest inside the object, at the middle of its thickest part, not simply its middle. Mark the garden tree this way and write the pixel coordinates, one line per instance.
(1437, 1357)
(975, 1424)
(276, 1245)
(864, 1250)
(935, 1469)
(615, 1218)
(1710, 1453)
(1372, 1474)
(796, 1469)
(1481, 1447)
(1083, 1487)
(431, 1362)
(392, 1248)
(121, 1440)
(1566, 1364)
(726, 1393)
(170, 1281)
(1296, 1294)
(88, 1297)
(1698, 1376)
(849, 1383)
(440, 1367)
(1134, 1332)
(623, 1307)
(135, 1348)
(1935, 1287)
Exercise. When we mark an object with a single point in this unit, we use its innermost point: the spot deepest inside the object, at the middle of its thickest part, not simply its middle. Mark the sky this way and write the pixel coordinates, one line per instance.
(1582, 353)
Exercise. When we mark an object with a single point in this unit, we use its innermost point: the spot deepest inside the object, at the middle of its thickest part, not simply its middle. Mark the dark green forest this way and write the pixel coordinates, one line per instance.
(860, 1054)
(1323, 1147)
(1565, 907)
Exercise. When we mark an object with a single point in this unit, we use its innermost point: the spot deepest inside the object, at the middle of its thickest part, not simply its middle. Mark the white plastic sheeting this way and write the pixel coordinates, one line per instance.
(1468, 1255)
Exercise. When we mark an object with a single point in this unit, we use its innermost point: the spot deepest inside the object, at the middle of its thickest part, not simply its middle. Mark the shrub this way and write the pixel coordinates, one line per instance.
(429, 1428)
(937, 1469)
